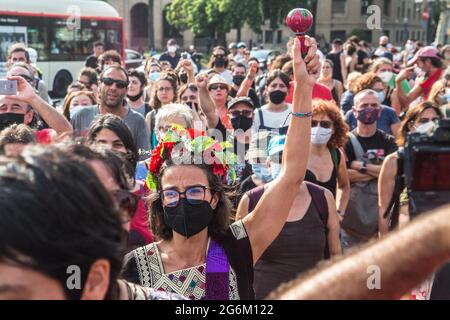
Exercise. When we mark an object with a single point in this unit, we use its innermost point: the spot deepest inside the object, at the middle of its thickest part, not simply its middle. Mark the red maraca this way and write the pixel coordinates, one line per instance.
(300, 20)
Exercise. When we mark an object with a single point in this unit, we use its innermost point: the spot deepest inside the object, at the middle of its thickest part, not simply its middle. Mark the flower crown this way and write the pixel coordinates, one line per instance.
(189, 146)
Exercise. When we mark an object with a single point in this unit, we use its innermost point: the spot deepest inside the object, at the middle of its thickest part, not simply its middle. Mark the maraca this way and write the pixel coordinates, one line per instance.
(300, 20)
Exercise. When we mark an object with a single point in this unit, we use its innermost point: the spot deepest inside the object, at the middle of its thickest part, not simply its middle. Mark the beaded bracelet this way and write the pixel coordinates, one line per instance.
(302, 114)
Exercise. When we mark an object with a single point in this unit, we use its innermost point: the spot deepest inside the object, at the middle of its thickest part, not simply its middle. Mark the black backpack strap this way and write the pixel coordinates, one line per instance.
(253, 196)
(147, 108)
(394, 205)
(261, 118)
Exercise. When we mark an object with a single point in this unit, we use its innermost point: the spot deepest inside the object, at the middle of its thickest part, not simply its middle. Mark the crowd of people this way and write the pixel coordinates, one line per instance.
(174, 181)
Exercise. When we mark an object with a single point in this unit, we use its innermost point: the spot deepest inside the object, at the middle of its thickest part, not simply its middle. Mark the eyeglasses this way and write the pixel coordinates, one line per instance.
(127, 201)
(162, 89)
(426, 120)
(121, 84)
(324, 124)
(189, 98)
(245, 113)
(194, 195)
(218, 87)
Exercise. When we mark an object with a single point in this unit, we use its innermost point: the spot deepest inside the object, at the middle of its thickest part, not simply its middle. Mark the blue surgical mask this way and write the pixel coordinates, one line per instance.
(276, 169)
(262, 172)
(154, 76)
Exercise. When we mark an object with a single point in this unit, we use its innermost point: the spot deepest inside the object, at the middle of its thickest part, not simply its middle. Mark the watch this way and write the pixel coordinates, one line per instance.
(363, 168)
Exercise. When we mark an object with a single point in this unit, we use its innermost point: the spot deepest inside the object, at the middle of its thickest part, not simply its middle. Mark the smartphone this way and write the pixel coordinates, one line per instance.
(8, 87)
(184, 55)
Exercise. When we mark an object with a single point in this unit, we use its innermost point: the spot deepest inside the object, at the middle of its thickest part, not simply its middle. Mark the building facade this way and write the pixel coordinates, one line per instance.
(399, 19)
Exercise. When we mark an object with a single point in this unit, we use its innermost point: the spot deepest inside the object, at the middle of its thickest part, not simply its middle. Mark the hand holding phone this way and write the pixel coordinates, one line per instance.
(8, 87)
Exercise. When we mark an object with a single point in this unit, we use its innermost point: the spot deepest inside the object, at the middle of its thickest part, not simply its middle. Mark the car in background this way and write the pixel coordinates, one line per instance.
(263, 55)
(133, 59)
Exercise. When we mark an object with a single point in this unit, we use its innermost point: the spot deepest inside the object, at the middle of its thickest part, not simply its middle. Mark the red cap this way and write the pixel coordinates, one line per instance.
(425, 52)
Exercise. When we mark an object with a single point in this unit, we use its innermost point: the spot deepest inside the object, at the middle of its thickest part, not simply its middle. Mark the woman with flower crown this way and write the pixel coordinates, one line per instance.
(200, 255)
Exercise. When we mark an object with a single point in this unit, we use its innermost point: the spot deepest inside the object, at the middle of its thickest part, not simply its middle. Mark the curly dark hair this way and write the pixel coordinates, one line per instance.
(339, 137)
(366, 81)
(222, 214)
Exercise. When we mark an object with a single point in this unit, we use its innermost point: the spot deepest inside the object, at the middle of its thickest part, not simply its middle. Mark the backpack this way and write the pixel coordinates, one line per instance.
(318, 200)
(361, 217)
(393, 209)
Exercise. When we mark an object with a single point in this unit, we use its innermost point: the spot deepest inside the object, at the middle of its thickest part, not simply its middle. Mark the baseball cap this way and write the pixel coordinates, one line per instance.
(242, 45)
(276, 144)
(237, 100)
(337, 41)
(425, 52)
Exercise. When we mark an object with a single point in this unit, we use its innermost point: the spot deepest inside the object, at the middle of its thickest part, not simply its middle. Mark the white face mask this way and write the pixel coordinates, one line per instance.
(418, 71)
(172, 49)
(320, 135)
(386, 76)
(425, 127)
(409, 47)
(381, 96)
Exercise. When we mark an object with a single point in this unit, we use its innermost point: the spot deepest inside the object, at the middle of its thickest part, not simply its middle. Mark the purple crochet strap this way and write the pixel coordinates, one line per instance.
(217, 273)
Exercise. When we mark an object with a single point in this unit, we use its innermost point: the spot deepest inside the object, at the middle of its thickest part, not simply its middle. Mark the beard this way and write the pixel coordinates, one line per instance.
(112, 99)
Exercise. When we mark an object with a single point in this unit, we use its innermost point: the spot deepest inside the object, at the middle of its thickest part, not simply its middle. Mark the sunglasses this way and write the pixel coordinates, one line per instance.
(245, 113)
(121, 84)
(324, 124)
(218, 87)
(127, 201)
(219, 56)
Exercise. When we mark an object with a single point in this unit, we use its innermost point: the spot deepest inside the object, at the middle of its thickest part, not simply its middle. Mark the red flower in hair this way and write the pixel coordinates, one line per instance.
(193, 133)
(219, 169)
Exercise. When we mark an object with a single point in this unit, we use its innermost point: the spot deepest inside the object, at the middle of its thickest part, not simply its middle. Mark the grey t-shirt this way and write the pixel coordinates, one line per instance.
(82, 118)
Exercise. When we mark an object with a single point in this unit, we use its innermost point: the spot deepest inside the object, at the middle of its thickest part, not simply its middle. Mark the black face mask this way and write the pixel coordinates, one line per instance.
(183, 77)
(350, 52)
(241, 122)
(219, 62)
(237, 80)
(135, 98)
(188, 219)
(277, 96)
(7, 119)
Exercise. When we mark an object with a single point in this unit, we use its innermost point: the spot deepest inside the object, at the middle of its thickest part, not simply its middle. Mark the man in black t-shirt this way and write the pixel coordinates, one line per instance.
(91, 61)
(364, 167)
(375, 143)
(335, 56)
(171, 55)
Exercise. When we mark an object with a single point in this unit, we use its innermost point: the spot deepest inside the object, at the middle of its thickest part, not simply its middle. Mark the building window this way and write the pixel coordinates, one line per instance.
(364, 5)
(398, 11)
(387, 7)
(338, 6)
(268, 36)
(403, 8)
(409, 13)
(397, 38)
(279, 36)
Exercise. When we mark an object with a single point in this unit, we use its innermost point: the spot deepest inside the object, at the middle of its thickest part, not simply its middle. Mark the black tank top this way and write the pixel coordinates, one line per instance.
(298, 248)
(331, 184)
(334, 94)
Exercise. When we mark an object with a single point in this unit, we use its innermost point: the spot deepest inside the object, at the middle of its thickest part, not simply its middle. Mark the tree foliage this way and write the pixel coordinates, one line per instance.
(205, 16)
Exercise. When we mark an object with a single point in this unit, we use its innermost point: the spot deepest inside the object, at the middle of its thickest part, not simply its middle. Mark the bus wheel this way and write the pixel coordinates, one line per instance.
(62, 80)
